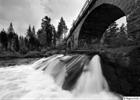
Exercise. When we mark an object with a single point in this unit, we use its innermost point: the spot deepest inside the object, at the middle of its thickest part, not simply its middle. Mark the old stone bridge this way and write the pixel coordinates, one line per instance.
(97, 15)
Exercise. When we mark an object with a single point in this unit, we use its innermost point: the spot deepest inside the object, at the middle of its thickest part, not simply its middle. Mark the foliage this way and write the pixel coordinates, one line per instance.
(110, 33)
(13, 44)
(115, 36)
(46, 33)
(32, 40)
(44, 39)
(62, 28)
(23, 45)
(3, 39)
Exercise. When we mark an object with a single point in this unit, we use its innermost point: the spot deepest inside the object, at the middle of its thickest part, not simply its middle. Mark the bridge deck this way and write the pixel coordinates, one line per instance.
(81, 14)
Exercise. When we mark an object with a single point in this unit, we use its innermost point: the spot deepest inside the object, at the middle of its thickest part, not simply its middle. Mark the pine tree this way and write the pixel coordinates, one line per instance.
(32, 38)
(54, 37)
(62, 29)
(45, 22)
(29, 32)
(16, 43)
(47, 30)
(3, 39)
(11, 29)
(111, 33)
(45, 34)
(41, 37)
(12, 39)
(33, 30)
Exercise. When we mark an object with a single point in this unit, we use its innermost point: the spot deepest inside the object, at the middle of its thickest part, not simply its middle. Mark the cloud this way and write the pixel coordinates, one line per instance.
(30, 12)
(69, 9)
(21, 13)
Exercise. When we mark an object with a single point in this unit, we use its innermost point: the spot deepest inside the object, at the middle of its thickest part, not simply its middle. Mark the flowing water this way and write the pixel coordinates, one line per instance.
(57, 77)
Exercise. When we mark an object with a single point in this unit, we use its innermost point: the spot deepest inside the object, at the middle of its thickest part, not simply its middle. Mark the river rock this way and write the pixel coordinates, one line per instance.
(123, 78)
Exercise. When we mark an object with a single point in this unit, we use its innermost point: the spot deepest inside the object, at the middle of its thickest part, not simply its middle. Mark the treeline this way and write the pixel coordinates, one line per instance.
(116, 36)
(46, 37)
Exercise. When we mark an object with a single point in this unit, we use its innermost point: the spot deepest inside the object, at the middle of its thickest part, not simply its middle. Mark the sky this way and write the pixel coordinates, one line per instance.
(121, 21)
(23, 13)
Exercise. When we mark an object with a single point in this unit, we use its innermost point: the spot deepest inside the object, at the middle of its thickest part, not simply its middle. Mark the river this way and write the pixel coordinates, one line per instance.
(57, 77)
(16, 61)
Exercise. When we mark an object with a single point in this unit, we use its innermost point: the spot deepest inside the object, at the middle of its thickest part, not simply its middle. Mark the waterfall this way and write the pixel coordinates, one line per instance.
(56, 77)
(91, 80)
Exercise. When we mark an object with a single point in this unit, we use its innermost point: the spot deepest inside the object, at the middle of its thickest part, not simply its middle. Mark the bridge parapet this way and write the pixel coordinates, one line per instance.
(87, 3)
(83, 10)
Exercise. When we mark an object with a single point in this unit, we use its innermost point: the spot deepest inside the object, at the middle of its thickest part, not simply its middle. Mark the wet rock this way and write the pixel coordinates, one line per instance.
(121, 79)
(115, 76)
(74, 70)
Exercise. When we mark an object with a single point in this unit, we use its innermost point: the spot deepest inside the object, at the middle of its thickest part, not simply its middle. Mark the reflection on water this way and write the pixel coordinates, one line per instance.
(46, 78)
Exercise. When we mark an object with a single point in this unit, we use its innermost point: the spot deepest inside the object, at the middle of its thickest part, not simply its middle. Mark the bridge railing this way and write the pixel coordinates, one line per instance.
(82, 10)
(86, 5)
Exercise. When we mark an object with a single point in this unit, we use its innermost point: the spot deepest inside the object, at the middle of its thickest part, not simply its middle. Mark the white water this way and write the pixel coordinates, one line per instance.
(43, 80)
(92, 80)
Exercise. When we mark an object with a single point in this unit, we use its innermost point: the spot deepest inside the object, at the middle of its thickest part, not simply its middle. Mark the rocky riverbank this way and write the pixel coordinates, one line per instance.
(31, 54)
(8, 58)
(122, 71)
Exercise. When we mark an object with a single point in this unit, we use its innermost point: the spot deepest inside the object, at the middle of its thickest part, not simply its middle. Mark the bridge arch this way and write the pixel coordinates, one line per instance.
(97, 21)
(127, 7)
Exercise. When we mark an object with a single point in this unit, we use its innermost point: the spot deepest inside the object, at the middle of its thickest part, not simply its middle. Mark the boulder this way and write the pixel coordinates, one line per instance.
(123, 76)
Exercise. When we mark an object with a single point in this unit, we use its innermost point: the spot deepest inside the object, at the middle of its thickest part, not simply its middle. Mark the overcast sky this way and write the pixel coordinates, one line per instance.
(25, 12)
(30, 12)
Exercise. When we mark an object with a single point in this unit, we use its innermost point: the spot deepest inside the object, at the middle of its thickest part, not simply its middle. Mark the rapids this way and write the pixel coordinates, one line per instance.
(56, 78)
